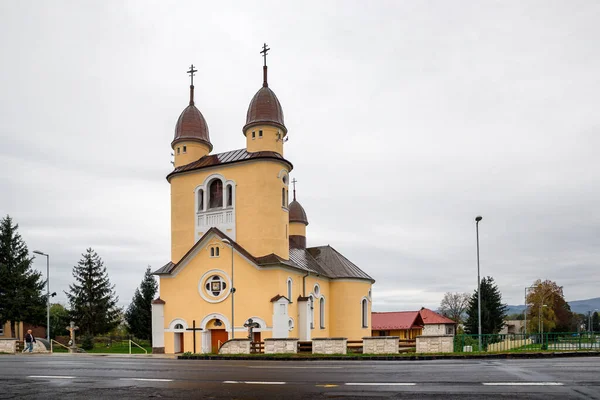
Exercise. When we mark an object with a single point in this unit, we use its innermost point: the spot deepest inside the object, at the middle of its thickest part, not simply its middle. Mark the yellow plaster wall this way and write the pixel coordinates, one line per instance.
(404, 334)
(194, 151)
(261, 221)
(297, 229)
(346, 310)
(270, 140)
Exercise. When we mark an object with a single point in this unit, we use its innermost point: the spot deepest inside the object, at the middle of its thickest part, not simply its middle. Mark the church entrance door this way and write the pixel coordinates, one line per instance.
(256, 337)
(178, 347)
(217, 338)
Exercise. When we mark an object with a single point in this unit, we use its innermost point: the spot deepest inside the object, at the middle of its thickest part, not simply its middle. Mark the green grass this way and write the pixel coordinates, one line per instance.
(116, 347)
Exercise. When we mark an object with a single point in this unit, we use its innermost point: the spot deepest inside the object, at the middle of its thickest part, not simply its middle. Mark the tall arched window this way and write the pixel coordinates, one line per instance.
(216, 194)
(289, 289)
(283, 204)
(365, 313)
(200, 200)
(311, 317)
(322, 312)
(229, 195)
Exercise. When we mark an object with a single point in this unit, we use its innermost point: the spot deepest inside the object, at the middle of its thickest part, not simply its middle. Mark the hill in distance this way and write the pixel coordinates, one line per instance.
(578, 306)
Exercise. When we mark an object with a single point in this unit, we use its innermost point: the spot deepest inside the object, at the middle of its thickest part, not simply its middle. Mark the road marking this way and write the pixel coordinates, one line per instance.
(379, 384)
(256, 382)
(328, 385)
(51, 376)
(276, 367)
(147, 379)
(522, 383)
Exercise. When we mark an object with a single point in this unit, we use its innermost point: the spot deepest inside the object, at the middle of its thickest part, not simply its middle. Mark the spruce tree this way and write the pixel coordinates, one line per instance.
(493, 312)
(93, 301)
(139, 312)
(21, 298)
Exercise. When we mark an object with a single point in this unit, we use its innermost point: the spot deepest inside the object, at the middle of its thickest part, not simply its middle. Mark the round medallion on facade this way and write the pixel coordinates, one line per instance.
(214, 286)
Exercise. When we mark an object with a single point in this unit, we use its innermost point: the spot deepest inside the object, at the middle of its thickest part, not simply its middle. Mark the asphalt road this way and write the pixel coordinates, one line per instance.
(27, 376)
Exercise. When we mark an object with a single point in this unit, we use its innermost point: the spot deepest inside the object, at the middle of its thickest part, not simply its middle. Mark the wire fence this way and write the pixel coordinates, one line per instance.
(553, 341)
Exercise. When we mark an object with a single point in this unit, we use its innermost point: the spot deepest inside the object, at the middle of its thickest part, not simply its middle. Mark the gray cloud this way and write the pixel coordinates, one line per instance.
(406, 121)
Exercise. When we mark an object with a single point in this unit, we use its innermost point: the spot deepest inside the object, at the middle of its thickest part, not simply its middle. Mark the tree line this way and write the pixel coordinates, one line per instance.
(92, 299)
(546, 311)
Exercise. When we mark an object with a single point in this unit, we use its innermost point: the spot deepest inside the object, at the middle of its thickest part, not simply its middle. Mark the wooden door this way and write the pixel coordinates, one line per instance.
(217, 338)
(256, 337)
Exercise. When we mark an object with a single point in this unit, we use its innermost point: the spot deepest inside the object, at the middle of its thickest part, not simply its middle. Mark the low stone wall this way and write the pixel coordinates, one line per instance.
(435, 344)
(337, 345)
(380, 345)
(281, 345)
(8, 346)
(509, 344)
(235, 346)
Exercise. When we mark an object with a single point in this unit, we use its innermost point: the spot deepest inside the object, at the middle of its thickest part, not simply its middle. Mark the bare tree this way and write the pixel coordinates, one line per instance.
(454, 305)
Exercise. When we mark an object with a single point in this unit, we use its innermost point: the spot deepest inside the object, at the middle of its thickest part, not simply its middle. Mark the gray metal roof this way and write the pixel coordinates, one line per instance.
(336, 265)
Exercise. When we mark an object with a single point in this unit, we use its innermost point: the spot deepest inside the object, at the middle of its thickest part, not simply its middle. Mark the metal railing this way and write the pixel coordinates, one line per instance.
(134, 343)
(553, 341)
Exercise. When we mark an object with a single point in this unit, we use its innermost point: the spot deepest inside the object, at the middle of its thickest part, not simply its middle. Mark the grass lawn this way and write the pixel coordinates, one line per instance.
(116, 347)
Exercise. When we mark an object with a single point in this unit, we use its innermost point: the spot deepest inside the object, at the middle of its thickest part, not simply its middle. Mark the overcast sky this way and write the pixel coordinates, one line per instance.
(406, 120)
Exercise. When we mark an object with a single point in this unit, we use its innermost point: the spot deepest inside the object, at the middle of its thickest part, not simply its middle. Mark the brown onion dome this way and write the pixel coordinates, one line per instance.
(265, 108)
(297, 213)
(191, 125)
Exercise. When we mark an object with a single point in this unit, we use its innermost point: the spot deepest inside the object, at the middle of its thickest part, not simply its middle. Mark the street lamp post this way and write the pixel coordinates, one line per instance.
(48, 292)
(232, 290)
(477, 219)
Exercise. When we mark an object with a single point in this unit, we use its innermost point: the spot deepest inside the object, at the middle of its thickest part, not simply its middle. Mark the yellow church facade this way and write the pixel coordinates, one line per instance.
(238, 245)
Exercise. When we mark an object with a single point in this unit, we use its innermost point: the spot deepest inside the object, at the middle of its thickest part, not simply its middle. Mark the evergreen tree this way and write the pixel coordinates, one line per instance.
(493, 312)
(59, 320)
(92, 298)
(139, 312)
(21, 298)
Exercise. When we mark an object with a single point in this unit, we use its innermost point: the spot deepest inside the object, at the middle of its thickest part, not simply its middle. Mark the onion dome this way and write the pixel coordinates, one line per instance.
(191, 125)
(265, 107)
(296, 211)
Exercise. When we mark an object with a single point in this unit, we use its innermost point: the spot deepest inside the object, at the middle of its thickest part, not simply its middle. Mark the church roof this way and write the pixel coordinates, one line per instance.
(297, 213)
(265, 108)
(326, 261)
(229, 157)
(191, 125)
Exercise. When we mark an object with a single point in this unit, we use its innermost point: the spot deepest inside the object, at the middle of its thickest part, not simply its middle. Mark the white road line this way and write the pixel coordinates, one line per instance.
(256, 382)
(146, 379)
(51, 376)
(522, 383)
(380, 384)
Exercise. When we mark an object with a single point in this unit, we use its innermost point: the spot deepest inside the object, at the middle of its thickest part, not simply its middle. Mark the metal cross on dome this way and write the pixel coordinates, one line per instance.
(191, 72)
(294, 184)
(264, 53)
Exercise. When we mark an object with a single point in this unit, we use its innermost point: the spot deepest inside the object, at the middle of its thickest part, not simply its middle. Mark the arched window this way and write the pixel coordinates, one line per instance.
(322, 313)
(212, 251)
(229, 196)
(289, 289)
(216, 194)
(312, 312)
(178, 326)
(365, 313)
(216, 251)
(283, 204)
(200, 200)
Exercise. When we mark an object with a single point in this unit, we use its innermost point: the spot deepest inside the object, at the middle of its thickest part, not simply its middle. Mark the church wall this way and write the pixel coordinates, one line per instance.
(270, 140)
(324, 292)
(193, 151)
(261, 221)
(346, 309)
(297, 229)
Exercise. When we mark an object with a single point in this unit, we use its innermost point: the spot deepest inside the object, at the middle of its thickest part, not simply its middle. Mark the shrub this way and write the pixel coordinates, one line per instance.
(87, 342)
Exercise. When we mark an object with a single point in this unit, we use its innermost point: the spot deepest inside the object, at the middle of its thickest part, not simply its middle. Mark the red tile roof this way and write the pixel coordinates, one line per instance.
(431, 317)
(396, 320)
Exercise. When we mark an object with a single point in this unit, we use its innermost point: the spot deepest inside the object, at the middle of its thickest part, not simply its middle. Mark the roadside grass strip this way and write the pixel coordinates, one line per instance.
(522, 383)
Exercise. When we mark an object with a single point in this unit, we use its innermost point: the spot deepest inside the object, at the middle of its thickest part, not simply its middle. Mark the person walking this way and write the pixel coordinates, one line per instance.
(29, 341)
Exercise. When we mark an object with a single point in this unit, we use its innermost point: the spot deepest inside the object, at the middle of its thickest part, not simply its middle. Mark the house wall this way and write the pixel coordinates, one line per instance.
(403, 334)
(438, 329)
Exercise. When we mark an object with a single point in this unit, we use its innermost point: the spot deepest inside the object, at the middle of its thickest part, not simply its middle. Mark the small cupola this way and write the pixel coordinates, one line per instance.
(298, 222)
(191, 140)
(265, 129)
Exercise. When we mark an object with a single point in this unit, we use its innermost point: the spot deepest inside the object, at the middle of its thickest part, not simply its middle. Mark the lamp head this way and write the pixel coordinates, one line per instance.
(39, 252)
(226, 241)
(478, 218)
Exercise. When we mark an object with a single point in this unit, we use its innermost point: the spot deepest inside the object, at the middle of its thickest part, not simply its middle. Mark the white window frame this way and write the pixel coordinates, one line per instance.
(290, 287)
(364, 311)
(312, 311)
(322, 312)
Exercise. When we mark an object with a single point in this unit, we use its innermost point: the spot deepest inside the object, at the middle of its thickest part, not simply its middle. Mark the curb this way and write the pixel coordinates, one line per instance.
(397, 358)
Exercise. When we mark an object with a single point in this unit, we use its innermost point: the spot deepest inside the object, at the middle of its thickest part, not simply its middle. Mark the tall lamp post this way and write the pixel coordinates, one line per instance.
(477, 219)
(232, 290)
(48, 292)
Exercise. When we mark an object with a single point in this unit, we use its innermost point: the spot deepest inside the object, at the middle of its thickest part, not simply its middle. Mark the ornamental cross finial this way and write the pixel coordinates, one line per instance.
(294, 184)
(191, 72)
(264, 53)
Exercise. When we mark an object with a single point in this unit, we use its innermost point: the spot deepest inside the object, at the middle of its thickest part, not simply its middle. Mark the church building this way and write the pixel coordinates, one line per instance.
(239, 246)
